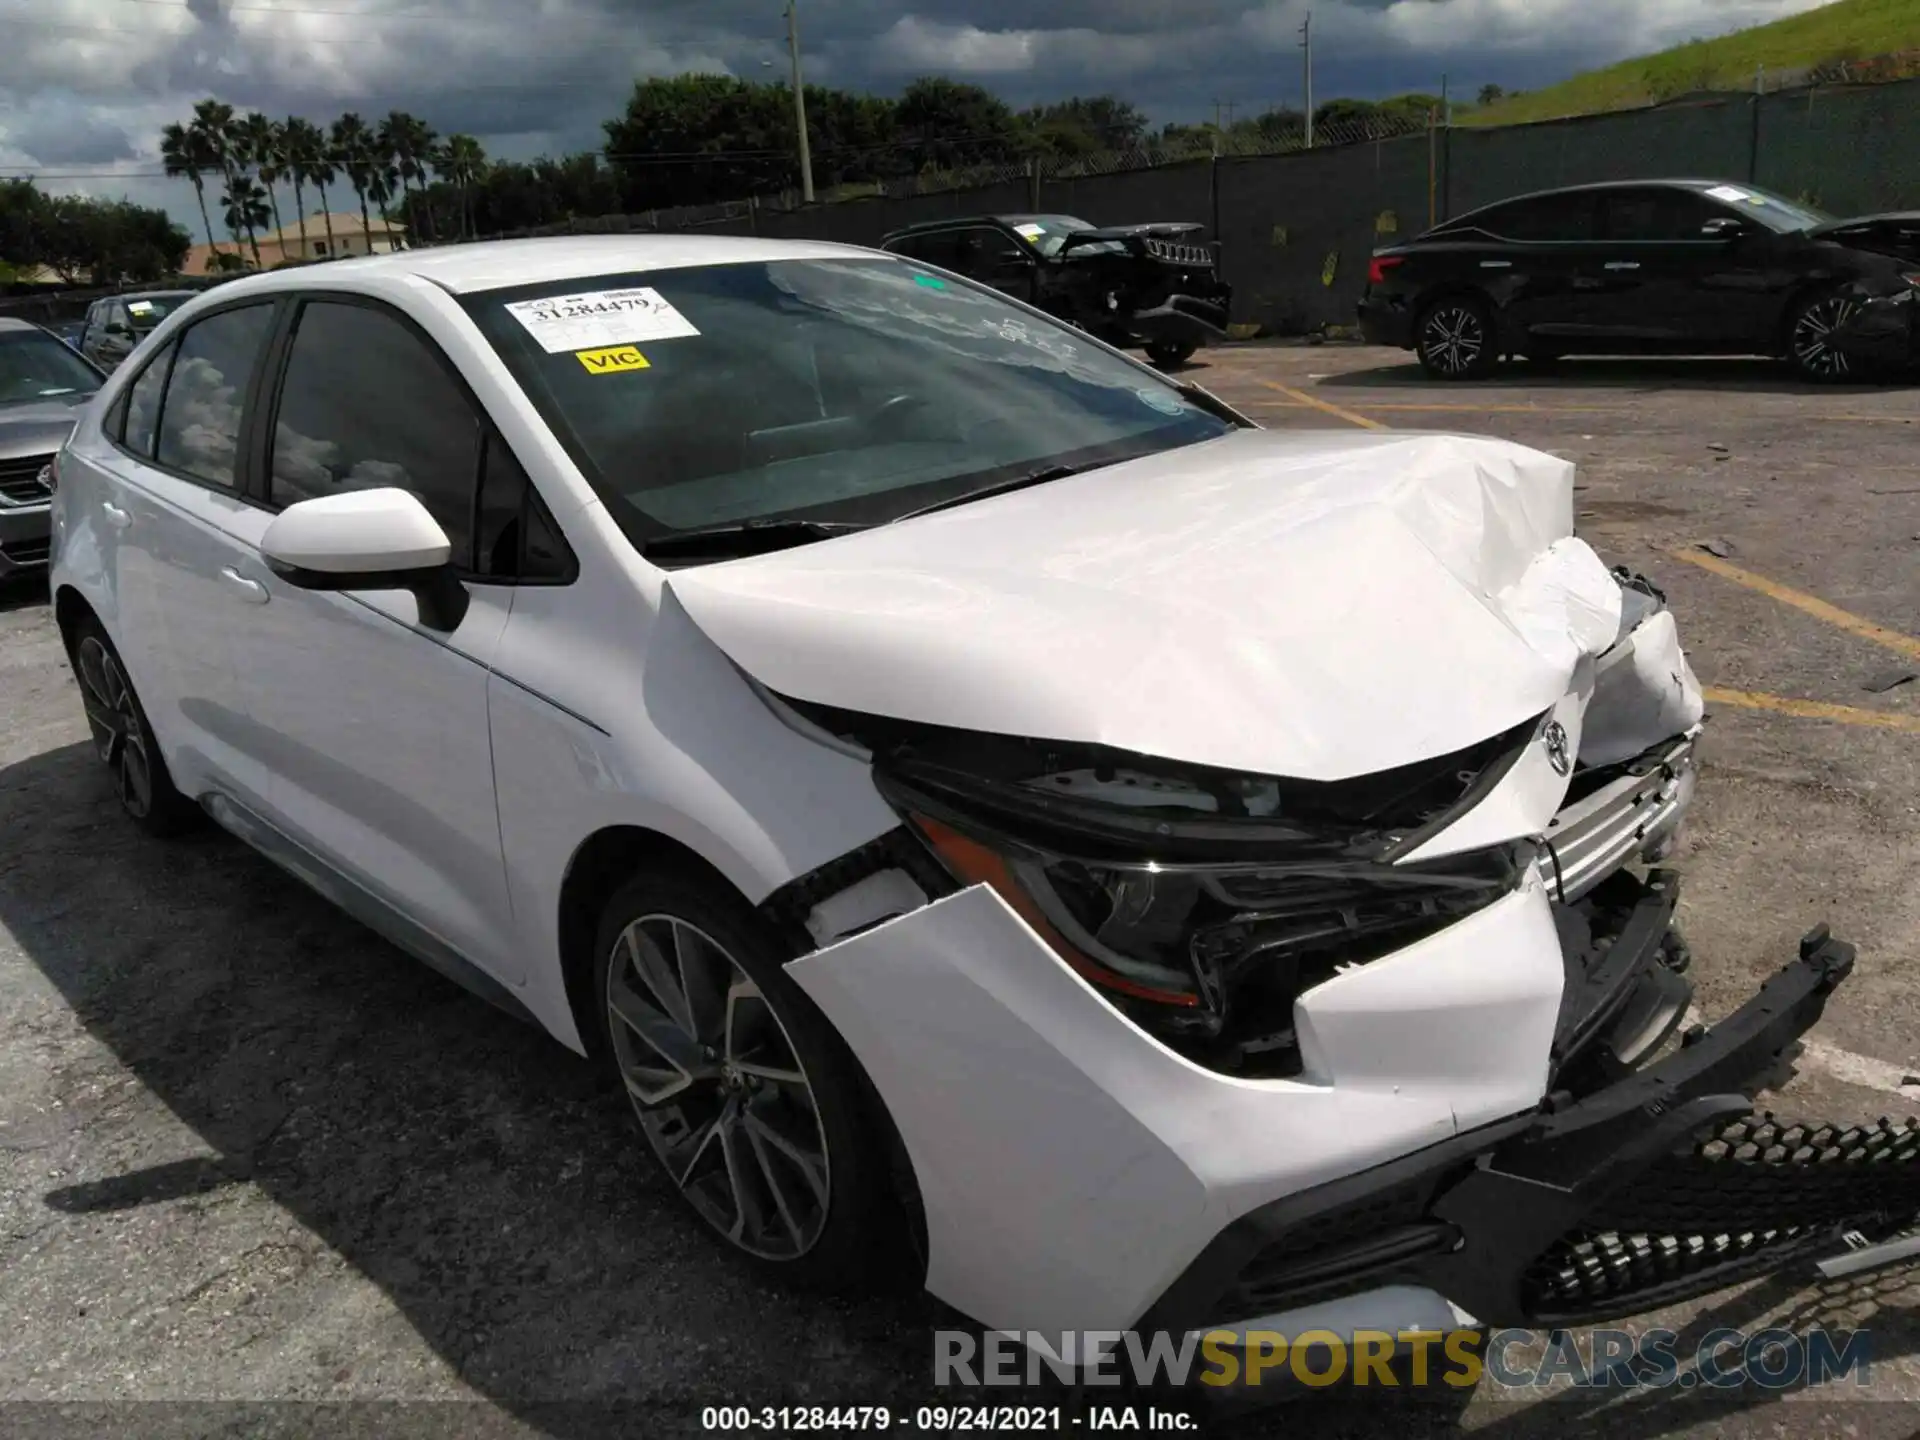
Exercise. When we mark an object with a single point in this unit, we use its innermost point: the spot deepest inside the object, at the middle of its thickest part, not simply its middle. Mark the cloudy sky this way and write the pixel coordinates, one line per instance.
(85, 85)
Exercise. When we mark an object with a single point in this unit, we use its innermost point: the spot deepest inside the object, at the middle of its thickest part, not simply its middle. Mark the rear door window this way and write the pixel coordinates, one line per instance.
(1567, 217)
(200, 417)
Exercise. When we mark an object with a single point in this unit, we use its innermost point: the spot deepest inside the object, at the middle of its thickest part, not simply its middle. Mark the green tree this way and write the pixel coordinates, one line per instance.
(1084, 125)
(182, 153)
(691, 139)
(352, 143)
(258, 140)
(1489, 94)
(213, 128)
(947, 124)
(244, 207)
(462, 162)
(303, 148)
(410, 140)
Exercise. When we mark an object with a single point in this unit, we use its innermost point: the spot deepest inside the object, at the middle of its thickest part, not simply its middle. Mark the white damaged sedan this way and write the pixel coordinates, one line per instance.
(1000, 814)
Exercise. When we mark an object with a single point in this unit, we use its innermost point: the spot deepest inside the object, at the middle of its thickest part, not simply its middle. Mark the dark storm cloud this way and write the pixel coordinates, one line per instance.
(540, 75)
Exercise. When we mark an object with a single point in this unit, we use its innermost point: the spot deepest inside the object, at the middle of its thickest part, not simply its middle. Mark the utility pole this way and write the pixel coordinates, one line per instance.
(799, 102)
(1306, 44)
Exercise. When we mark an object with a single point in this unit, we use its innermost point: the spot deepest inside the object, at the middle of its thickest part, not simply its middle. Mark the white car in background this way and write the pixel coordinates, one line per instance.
(985, 800)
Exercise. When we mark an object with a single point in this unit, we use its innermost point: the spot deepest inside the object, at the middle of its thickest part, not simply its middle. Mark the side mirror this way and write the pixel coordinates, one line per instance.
(1726, 228)
(368, 540)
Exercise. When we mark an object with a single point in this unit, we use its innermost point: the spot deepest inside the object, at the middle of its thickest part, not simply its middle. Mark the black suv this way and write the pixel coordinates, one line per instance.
(1154, 286)
(1640, 267)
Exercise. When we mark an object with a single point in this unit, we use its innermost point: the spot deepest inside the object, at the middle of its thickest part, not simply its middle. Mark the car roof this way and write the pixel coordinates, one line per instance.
(1600, 186)
(149, 294)
(13, 324)
(499, 264)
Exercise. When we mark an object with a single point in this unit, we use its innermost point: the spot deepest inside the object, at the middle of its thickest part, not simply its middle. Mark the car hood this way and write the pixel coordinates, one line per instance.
(1298, 604)
(38, 427)
(1882, 241)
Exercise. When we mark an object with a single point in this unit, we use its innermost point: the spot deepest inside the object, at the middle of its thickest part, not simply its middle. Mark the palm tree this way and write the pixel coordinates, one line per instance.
(411, 141)
(462, 161)
(383, 181)
(260, 144)
(245, 209)
(181, 154)
(302, 149)
(352, 144)
(213, 123)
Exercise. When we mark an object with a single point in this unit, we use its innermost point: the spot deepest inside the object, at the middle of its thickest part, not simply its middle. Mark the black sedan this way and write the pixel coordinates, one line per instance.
(1686, 267)
(1155, 285)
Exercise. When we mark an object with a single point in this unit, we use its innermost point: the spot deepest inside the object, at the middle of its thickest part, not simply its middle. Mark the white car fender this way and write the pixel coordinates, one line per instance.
(1072, 1167)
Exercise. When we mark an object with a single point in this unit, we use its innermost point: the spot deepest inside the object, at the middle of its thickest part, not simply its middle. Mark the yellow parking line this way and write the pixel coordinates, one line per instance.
(1813, 710)
(1329, 408)
(1811, 604)
(1508, 409)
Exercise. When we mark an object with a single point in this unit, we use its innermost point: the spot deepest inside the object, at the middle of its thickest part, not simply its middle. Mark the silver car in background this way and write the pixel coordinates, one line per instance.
(43, 386)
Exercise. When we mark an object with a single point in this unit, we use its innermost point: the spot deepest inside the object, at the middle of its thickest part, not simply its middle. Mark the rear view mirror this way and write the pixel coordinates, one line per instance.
(381, 539)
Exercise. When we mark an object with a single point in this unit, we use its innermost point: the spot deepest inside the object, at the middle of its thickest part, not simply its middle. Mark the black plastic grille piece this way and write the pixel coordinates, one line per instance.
(1749, 1195)
(1377, 1234)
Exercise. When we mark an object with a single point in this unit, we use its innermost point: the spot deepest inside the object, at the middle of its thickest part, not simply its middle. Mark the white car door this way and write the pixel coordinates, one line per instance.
(175, 532)
(372, 722)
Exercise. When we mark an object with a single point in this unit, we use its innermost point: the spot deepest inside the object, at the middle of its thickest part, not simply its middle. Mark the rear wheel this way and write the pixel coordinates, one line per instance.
(749, 1101)
(1810, 336)
(1166, 353)
(1454, 338)
(122, 738)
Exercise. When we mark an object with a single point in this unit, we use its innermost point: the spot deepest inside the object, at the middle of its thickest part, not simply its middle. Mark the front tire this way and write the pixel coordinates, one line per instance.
(122, 737)
(1810, 332)
(749, 1100)
(1454, 339)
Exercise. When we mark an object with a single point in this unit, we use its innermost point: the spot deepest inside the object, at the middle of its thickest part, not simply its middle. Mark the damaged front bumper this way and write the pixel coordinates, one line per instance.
(1182, 320)
(1654, 1189)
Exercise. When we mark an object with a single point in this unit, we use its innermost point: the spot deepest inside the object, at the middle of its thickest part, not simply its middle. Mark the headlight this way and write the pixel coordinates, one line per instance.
(1209, 954)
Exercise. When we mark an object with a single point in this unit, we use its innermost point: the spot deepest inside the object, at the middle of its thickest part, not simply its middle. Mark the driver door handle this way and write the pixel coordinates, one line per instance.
(1623, 265)
(252, 591)
(116, 517)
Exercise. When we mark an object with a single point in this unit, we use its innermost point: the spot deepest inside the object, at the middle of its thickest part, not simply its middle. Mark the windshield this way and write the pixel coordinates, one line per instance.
(147, 311)
(852, 391)
(1776, 212)
(1047, 233)
(35, 366)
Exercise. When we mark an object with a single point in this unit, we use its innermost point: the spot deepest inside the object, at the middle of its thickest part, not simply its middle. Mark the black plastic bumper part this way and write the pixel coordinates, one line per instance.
(1657, 1187)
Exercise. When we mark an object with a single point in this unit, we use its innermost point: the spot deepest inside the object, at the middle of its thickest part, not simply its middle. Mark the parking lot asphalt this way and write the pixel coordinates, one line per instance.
(261, 1174)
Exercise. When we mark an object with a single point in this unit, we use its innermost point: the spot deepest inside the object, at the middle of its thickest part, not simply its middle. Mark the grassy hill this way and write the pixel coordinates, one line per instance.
(1843, 30)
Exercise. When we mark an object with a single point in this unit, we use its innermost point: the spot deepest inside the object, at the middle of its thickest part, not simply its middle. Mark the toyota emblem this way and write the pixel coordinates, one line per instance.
(1554, 737)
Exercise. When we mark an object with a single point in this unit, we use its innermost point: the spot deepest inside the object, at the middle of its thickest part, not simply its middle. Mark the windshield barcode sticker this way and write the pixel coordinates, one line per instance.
(600, 319)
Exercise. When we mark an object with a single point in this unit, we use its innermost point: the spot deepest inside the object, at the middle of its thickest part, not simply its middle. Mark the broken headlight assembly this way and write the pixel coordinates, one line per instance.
(1202, 906)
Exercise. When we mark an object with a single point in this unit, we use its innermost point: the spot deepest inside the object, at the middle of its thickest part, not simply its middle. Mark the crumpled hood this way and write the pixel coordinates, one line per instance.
(1302, 604)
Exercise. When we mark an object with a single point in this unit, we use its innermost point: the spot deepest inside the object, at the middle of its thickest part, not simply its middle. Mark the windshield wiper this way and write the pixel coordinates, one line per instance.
(745, 537)
(1019, 482)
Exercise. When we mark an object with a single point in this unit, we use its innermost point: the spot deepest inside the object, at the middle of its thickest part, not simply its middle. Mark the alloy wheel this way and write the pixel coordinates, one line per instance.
(720, 1091)
(114, 718)
(1453, 339)
(1813, 334)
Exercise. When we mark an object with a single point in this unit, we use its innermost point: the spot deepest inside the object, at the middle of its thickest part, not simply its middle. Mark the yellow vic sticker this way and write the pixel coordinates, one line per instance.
(612, 360)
